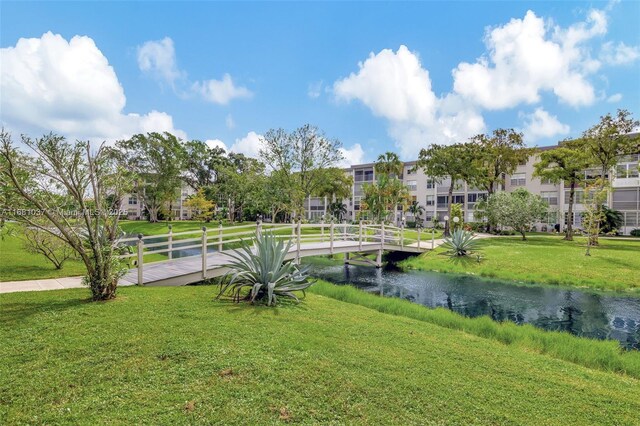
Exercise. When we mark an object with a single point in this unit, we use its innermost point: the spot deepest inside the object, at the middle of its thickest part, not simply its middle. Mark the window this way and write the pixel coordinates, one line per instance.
(133, 201)
(443, 201)
(518, 179)
(368, 175)
(474, 198)
(430, 200)
(430, 184)
(412, 185)
(546, 181)
(624, 171)
(458, 199)
(625, 199)
(578, 196)
(551, 197)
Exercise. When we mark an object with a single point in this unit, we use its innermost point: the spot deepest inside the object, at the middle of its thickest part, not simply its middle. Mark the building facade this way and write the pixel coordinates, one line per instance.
(433, 195)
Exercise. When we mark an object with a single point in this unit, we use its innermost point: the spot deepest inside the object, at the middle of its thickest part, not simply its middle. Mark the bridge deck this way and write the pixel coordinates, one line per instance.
(187, 270)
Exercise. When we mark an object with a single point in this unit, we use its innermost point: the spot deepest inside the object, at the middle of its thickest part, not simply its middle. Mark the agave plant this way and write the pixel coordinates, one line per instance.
(260, 268)
(461, 243)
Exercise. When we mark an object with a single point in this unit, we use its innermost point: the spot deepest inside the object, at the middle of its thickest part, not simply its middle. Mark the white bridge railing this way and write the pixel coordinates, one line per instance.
(232, 237)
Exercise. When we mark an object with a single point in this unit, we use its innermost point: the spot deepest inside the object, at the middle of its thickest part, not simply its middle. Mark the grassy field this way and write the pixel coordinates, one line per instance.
(614, 265)
(17, 264)
(176, 356)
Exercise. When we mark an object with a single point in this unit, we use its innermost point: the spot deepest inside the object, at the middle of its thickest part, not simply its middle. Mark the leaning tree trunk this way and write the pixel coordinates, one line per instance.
(569, 234)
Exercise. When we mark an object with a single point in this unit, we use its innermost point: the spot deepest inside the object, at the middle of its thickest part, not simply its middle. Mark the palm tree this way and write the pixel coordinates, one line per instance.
(338, 210)
(416, 210)
(389, 164)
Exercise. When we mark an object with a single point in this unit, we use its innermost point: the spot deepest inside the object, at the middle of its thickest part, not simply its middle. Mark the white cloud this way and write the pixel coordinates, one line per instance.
(51, 84)
(616, 97)
(541, 124)
(228, 121)
(221, 91)
(249, 145)
(619, 54)
(353, 155)
(526, 57)
(216, 143)
(159, 59)
(395, 86)
(315, 89)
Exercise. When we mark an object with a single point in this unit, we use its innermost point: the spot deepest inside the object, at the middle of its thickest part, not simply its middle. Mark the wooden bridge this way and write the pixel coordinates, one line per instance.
(357, 242)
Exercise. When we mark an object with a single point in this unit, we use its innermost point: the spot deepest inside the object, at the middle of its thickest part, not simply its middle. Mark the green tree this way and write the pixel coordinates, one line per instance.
(73, 193)
(565, 164)
(606, 142)
(158, 160)
(202, 208)
(338, 210)
(453, 161)
(383, 197)
(495, 156)
(202, 164)
(389, 164)
(302, 158)
(519, 209)
(416, 211)
(241, 182)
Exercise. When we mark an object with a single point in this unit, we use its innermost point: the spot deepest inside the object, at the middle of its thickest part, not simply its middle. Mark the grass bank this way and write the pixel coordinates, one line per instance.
(176, 356)
(614, 265)
(605, 355)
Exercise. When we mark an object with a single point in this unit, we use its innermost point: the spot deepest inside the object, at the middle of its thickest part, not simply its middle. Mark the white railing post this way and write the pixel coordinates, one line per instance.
(298, 240)
(382, 235)
(170, 242)
(322, 229)
(331, 237)
(220, 236)
(140, 259)
(344, 230)
(419, 237)
(204, 252)
(402, 234)
(293, 226)
(360, 235)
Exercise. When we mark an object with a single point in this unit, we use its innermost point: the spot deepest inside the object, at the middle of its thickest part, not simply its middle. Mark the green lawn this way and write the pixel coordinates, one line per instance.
(614, 265)
(176, 356)
(17, 264)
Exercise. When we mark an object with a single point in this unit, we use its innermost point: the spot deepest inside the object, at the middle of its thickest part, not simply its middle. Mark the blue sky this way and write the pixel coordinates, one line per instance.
(377, 76)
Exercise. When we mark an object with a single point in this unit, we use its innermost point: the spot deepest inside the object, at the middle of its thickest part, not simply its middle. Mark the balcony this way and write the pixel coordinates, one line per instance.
(631, 182)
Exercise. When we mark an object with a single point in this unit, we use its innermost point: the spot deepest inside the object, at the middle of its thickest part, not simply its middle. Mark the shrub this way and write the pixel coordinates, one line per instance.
(635, 233)
(461, 243)
(263, 272)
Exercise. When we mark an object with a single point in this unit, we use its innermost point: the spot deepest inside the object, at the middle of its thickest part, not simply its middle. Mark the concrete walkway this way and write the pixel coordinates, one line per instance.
(41, 285)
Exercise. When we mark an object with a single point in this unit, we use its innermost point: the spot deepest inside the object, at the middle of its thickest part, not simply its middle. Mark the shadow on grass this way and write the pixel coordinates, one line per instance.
(260, 307)
(19, 311)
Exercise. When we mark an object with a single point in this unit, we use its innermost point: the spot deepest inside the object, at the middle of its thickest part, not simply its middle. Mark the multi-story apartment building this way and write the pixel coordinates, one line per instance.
(134, 205)
(433, 195)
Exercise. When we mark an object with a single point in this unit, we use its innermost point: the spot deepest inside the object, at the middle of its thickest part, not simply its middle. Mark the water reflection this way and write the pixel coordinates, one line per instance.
(595, 315)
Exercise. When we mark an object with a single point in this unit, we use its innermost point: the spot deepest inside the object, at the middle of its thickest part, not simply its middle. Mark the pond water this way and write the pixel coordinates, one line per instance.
(583, 313)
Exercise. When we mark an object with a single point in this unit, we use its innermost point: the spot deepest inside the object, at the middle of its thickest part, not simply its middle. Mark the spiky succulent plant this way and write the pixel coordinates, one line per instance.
(258, 272)
(461, 243)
